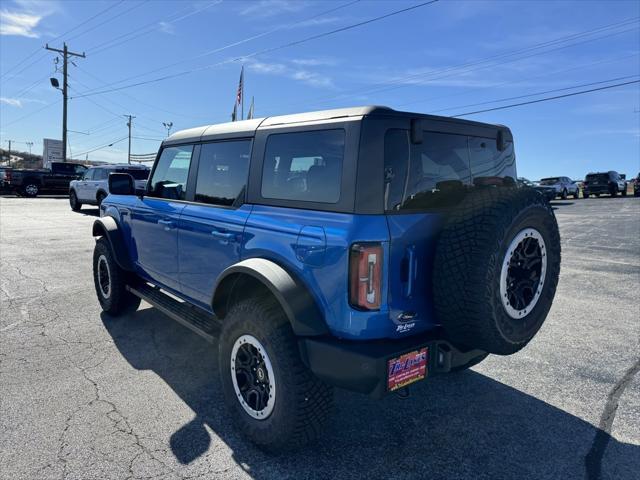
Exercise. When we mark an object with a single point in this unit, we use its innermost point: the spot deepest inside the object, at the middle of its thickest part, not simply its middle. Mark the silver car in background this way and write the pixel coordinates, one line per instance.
(93, 187)
(563, 186)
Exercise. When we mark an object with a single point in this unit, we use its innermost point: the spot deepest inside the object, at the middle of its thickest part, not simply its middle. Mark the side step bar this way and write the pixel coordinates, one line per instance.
(203, 323)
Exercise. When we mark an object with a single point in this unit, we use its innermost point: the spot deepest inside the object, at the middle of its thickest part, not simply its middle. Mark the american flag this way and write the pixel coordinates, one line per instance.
(240, 87)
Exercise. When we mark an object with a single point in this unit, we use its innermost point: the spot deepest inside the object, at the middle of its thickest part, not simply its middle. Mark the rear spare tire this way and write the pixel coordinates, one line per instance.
(496, 269)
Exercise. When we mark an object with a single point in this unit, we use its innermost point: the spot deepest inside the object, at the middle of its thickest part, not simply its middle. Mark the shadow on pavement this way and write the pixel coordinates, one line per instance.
(463, 425)
(92, 212)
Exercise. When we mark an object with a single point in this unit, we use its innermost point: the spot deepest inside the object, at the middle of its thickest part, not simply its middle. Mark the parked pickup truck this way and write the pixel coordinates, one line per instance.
(31, 183)
(361, 248)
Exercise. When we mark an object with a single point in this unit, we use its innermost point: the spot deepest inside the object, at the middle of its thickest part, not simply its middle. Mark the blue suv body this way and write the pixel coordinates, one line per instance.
(334, 215)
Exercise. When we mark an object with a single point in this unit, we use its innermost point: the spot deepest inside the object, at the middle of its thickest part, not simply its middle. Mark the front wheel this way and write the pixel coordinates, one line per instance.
(273, 398)
(624, 192)
(111, 282)
(576, 194)
(74, 202)
(564, 194)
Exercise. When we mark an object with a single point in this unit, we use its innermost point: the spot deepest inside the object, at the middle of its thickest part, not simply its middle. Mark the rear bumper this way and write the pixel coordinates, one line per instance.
(597, 189)
(363, 367)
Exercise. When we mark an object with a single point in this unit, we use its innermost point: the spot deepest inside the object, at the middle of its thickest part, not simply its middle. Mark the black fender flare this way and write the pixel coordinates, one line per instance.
(108, 227)
(299, 306)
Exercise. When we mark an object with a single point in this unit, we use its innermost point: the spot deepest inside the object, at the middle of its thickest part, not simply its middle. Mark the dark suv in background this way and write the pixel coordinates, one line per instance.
(610, 182)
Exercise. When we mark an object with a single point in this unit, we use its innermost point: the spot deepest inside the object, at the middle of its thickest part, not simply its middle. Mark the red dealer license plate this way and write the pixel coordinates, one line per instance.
(407, 368)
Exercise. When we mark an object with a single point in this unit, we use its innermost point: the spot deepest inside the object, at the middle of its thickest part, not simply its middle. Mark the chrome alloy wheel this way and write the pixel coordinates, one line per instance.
(31, 189)
(523, 273)
(252, 377)
(104, 277)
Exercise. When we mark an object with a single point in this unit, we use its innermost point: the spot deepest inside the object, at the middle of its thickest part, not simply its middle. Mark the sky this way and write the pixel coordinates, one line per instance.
(180, 61)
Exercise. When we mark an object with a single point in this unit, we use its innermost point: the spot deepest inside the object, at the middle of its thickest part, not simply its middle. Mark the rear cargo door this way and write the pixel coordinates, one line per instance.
(421, 181)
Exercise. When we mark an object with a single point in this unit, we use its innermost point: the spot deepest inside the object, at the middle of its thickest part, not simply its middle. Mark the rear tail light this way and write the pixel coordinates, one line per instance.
(365, 275)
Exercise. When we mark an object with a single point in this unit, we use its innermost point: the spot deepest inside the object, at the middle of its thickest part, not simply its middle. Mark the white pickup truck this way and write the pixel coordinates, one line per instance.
(93, 187)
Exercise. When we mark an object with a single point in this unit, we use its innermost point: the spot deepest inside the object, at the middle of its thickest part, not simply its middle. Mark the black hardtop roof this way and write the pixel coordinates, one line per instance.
(248, 127)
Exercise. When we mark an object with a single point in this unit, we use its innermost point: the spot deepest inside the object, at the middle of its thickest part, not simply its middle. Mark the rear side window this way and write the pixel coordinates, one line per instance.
(170, 175)
(222, 172)
(136, 173)
(304, 166)
(428, 175)
(100, 174)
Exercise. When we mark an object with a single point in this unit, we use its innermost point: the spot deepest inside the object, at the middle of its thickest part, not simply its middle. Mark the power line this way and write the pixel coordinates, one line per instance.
(261, 52)
(110, 19)
(147, 28)
(35, 52)
(106, 145)
(536, 94)
(236, 43)
(486, 62)
(546, 99)
(528, 78)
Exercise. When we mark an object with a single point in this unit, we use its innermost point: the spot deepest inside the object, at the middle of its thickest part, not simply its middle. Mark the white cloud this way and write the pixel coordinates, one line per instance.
(25, 17)
(18, 23)
(269, 8)
(314, 79)
(14, 102)
(167, 27)
(315, 62)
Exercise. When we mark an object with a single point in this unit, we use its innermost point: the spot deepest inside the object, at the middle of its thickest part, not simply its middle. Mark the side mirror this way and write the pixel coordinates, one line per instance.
(121, 184)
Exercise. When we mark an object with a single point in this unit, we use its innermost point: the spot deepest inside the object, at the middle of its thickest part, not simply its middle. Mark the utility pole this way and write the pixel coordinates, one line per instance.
(30, 144)
(65, 59)
(9, 155)
(130, 117)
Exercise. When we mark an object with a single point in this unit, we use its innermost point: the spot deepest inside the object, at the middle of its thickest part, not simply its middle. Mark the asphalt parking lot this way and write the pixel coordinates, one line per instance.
(85, 396)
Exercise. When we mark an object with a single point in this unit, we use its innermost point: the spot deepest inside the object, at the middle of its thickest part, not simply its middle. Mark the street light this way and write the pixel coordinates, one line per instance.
(30, 144)
(168, 126)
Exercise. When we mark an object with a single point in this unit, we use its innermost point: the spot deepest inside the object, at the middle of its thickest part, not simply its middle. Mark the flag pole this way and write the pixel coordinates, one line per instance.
(242, 93)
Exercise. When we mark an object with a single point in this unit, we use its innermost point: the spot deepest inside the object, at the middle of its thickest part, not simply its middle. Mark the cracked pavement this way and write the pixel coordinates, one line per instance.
(85, 396)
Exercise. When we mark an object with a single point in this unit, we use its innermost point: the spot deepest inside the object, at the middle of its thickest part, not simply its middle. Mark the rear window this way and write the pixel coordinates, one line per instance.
(549, 181)
(597, 176)
(304, 166)
(429, 175)
(136, 173)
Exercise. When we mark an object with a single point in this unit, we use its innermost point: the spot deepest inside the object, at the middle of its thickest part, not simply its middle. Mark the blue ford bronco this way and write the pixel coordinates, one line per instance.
(360, 248)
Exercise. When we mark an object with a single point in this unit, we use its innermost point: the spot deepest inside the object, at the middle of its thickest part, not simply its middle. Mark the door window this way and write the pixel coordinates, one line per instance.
(88, 175)
(100, 174)
(222, 172)
(304, 166)
(169, 178)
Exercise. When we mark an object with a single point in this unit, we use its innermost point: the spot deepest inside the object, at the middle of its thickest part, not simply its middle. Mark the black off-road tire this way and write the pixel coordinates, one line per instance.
(100, 198)
(585, 194)
(74, 202)
(302, 401)
(114, 298)
(624, 192)
(467, 269)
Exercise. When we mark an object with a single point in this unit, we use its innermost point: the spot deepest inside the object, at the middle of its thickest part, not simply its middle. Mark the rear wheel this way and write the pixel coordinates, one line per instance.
(624, 192)
(613, 191)
(496, 269)
(111, 282)
(576, 194)
(30, 190)
(74, 202)
(564, 194)
(272, 396)
(100, 198)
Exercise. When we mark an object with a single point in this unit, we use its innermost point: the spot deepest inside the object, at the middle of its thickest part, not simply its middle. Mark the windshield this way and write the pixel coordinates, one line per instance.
(549, 181)
(136, 173)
